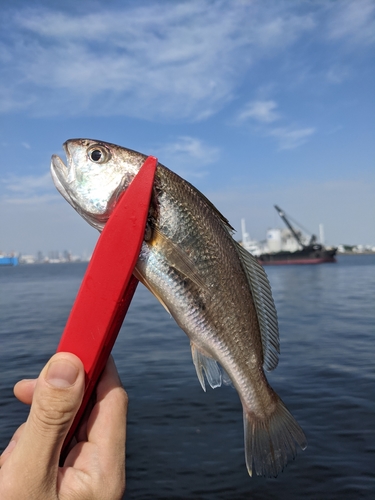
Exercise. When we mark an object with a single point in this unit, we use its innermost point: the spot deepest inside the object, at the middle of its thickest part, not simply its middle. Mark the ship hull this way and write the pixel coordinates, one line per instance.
(313, 255)
(8, 261)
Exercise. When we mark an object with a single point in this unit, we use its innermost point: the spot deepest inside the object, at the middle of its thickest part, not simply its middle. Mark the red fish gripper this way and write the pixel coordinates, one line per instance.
(108, 285)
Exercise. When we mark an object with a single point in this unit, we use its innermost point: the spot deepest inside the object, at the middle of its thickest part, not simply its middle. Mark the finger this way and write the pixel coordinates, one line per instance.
(57, 397)
(106, 427)
(81, 432)
(24, 390)
(110, 407)
(102, 456)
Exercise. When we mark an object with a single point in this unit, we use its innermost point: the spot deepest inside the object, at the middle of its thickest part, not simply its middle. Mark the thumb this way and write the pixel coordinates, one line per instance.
(57, 398)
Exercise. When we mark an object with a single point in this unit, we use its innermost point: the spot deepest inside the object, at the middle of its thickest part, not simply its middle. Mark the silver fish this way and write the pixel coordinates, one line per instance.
(214, 289)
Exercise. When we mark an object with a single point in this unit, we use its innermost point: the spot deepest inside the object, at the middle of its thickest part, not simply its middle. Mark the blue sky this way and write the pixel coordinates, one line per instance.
(255, 102)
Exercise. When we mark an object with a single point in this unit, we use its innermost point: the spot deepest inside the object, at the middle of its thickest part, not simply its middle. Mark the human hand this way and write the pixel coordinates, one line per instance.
(95, 466)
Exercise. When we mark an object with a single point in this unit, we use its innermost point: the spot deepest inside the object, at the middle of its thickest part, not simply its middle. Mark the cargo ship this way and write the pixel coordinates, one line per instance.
(288, 246)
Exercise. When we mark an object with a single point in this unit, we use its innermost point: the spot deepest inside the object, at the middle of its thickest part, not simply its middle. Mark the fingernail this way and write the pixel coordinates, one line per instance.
(61, 373)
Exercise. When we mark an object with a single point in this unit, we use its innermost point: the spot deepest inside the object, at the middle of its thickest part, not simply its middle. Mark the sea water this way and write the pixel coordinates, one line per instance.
(187, 444)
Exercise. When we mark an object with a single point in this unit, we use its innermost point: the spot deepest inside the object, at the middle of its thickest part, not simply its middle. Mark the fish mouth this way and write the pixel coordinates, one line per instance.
(61, 173)
(63, 176)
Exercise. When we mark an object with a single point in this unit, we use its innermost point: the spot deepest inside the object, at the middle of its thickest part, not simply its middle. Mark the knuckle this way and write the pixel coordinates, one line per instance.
(54, 410)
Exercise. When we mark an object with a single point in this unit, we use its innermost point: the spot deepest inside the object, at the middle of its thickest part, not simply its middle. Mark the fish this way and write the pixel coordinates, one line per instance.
(216, 291)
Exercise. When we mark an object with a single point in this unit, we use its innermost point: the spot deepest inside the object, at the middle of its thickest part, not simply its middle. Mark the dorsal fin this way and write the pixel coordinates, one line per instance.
(265, 307)
(201, 198)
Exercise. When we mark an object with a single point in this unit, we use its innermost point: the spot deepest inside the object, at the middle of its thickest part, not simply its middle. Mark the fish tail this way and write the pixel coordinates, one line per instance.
(271, 442)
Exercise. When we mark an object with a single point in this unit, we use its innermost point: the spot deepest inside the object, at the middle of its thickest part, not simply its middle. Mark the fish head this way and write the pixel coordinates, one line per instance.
(94, 176)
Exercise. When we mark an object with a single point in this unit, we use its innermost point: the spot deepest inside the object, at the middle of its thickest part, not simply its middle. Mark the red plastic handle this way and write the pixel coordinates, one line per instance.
(108, 285)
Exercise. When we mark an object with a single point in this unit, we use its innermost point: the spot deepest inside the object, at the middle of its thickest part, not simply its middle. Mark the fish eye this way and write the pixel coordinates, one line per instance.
(98, 154)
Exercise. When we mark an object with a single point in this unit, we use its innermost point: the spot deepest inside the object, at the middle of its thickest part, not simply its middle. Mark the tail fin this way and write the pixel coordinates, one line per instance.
(269, 444)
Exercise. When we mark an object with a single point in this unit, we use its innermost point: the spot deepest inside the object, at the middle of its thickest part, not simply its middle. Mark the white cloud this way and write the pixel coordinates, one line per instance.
(194, 148)
(183, 60)
(262, 111)
(353, 20)
(12, 99)
(291, 138)
(187, 155)
(337, 74)
(26, 189)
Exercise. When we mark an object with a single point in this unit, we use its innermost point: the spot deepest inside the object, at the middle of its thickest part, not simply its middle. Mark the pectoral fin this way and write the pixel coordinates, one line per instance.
(149, 287)
(178, 259)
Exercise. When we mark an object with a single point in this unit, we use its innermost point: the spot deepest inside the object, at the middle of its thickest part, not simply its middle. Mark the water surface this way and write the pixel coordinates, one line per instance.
(187, 444)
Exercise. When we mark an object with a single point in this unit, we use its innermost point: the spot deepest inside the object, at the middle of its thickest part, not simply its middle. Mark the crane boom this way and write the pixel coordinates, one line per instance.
(295, 234)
